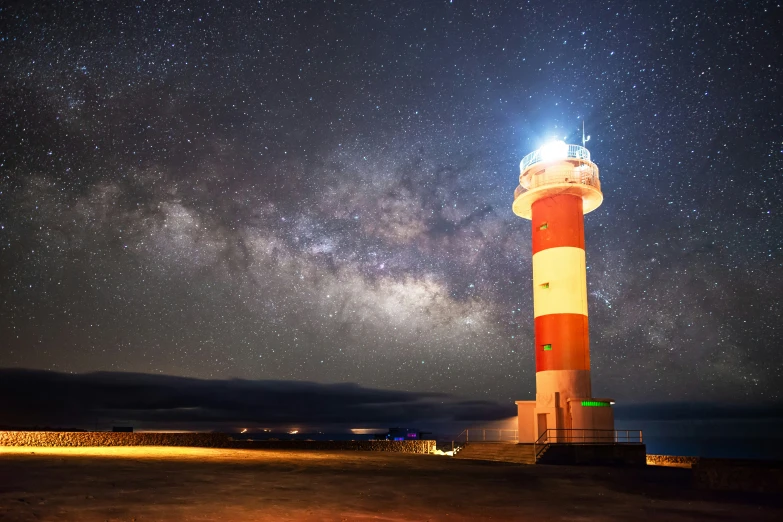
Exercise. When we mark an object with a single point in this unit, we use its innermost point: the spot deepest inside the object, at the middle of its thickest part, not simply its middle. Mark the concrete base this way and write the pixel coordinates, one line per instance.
(555, 387)
(596, 454)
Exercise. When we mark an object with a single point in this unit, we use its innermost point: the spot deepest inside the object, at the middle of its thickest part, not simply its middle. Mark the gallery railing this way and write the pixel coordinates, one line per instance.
(574, 151)
(560, 174)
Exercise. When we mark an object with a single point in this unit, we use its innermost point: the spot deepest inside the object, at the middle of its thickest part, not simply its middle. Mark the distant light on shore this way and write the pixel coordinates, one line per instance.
(368, 431)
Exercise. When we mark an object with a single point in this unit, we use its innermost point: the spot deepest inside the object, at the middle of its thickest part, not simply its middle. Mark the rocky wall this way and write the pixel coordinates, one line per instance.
(403, 446)
(673, 461)
(201, 440)
(108, 438)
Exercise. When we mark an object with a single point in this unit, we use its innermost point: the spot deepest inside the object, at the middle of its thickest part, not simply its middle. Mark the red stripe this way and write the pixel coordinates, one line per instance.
(568, 335)
(564, 221)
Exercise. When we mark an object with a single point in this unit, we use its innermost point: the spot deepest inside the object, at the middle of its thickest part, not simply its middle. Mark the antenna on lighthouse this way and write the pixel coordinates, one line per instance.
(583, 133)
(584, 140)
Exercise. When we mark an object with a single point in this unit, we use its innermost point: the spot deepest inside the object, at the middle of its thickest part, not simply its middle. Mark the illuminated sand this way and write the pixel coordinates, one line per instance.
(168, 484)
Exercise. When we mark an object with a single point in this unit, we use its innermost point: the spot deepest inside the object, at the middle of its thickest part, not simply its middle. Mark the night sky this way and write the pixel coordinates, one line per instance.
(321, 191)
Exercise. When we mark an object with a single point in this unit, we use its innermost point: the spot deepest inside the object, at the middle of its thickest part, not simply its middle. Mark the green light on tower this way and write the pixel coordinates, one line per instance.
(595, 404)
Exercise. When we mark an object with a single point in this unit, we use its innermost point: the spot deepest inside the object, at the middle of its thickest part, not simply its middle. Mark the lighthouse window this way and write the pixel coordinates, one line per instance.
(543, 226)
(547, 347)
(545, 285)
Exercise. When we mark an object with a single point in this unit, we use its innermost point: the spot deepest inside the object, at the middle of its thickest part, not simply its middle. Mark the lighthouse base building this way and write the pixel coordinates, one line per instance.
(558, 184)
(553, 418)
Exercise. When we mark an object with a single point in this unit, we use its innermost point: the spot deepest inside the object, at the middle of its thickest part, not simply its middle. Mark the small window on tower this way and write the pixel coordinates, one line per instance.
(543, 226)
(545, 285)
(547, 347)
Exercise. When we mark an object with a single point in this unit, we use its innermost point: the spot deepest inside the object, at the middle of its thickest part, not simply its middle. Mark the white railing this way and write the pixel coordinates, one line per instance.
(574, 151)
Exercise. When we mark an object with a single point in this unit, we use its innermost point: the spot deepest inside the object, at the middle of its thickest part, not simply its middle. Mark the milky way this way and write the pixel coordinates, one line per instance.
(322, 191)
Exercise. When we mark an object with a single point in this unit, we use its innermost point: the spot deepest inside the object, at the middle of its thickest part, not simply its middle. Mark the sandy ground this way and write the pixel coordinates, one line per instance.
(178, 484)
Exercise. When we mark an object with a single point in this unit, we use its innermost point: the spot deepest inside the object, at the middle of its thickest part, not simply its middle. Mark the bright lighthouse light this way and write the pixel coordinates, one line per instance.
(554, 150)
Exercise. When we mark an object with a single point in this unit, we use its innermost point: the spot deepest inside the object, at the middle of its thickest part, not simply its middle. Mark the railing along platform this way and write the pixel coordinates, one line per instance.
(487, 435)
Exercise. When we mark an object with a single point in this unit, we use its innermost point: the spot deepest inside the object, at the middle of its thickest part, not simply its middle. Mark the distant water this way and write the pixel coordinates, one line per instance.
(716, 438)
(717, 447)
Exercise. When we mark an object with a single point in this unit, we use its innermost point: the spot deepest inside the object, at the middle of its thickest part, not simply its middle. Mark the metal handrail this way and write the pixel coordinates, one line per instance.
(591, 436)
(480, 435)
(555, 436)
(584, 436)
(574, 151)
(544, 445)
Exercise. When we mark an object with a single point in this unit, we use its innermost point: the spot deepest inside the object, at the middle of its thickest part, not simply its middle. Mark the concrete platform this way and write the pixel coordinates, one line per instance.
(498, 452)
(199, 484)
(562, 454)
(595, 454)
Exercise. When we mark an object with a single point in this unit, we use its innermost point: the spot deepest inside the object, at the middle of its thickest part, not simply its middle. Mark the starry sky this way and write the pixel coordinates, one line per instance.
(321, 191)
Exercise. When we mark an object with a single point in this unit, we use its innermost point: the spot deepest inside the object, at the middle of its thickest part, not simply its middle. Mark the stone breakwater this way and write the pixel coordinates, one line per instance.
(108, 438)
(673, 461)
(200, 440)
(403, 446)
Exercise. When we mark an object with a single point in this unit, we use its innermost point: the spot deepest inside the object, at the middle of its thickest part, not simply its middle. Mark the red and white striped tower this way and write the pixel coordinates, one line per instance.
(558, 184)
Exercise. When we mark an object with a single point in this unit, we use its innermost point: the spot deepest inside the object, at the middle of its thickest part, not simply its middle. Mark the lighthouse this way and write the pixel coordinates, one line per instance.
(558, 185)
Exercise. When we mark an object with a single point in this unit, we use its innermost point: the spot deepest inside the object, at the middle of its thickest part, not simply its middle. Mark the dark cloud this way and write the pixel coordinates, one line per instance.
(41, 398)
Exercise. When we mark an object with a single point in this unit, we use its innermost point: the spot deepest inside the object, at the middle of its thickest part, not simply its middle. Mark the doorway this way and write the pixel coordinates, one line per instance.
(542, 427)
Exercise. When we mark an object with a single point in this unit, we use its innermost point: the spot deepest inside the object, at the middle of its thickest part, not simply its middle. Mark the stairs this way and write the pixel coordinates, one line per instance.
(498, 452)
